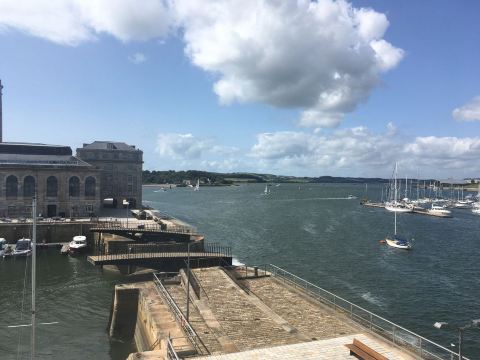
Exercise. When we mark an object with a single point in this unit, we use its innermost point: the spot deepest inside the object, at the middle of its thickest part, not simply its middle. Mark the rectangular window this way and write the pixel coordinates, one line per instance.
(129, 188)
(12, 211)
(27, 211)
(89, 208)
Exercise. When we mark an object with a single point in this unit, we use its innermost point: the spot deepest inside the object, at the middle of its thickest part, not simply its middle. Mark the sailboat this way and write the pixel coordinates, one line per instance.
(197, 186)
(395, 205)
(266, 191)
(396, 240)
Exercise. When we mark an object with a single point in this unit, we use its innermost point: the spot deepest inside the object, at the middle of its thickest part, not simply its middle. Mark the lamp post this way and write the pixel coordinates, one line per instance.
(128, 205)
(461, 328)
(188, 281)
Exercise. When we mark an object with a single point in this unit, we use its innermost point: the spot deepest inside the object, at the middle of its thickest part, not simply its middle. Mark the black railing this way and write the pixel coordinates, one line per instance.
(115, 250)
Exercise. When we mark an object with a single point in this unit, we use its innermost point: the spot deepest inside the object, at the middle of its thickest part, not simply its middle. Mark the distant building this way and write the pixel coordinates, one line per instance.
(120, 167)
(65, 185)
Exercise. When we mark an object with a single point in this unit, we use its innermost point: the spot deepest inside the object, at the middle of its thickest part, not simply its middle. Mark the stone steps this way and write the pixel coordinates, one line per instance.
(245, 324)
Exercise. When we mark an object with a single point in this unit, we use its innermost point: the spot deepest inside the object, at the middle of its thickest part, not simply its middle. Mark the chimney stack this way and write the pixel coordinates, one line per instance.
(1, 115)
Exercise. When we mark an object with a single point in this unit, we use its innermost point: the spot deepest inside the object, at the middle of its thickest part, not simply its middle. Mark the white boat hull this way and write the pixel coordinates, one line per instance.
(394, 244)
(397, 209)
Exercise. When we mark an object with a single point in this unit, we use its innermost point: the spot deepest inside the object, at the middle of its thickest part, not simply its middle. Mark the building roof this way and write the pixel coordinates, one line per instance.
(14, 148)
(42, 160)
(109, 145)
(32, 154)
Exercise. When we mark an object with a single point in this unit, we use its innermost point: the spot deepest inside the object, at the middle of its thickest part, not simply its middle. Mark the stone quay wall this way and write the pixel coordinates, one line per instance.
(47, 232)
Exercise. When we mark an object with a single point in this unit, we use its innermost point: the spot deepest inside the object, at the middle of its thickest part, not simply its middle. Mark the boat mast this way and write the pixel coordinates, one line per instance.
(395, 201)
(34, 261)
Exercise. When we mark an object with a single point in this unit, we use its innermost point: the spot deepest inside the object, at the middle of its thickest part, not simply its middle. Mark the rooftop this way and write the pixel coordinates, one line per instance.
(109, 145)
(17, 148)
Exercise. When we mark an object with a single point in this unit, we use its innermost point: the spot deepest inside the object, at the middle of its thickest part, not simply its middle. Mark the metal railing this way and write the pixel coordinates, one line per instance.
(392, 332)
(180, 318)
(142, 226)
(127, 251)
(171, 353)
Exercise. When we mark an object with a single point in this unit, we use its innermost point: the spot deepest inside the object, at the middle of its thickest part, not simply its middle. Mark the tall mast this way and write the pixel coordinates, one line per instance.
(395, 202)
(34, 261)
(1, 113)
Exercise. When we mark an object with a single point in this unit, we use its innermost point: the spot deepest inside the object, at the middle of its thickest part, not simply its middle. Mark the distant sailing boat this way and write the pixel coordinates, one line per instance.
(197, 186)
(266, 191)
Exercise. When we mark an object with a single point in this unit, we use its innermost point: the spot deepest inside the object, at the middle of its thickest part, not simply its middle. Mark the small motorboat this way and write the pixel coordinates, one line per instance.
(23, 248)
(78, 245)
(3, 246)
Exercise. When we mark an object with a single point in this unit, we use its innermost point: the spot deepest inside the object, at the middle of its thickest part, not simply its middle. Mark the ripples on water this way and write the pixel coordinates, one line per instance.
(69, 291)
(313, 232)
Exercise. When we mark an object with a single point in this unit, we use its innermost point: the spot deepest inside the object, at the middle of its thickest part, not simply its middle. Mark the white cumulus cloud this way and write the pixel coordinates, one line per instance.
(70, 22)
(469, 111)
(322, 57)
(360, 152)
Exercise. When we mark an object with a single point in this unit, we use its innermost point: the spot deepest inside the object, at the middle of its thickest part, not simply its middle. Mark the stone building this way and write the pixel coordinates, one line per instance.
(65, 185)
(120, 167)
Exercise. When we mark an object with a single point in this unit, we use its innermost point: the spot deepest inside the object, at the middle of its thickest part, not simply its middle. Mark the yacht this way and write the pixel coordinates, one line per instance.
(439, 209)
(396, 240)
(78, 245)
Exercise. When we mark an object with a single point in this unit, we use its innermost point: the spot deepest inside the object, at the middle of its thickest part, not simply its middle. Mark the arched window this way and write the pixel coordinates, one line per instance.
(12, 186)
(52, 186)
(74, 186)
(29, 186)
(90, 186)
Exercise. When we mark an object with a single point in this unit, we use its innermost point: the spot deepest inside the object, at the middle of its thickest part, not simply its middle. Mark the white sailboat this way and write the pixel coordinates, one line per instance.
(197, 186)
(267, 190)
(396, 240)
(395, 205)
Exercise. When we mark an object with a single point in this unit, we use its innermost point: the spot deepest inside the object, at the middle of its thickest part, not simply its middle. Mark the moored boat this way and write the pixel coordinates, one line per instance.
(78, 245)
(438, 209)
(23, 248)
(398, 242)
(3, 246)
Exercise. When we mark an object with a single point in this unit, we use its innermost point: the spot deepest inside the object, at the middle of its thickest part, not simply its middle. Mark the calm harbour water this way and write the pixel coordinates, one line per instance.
(307, 230)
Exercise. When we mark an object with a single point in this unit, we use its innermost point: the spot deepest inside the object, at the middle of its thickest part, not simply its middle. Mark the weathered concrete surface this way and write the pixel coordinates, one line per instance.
(302, 312)
(331, 349)
(139, 313)
(124, 312)
(260, 318)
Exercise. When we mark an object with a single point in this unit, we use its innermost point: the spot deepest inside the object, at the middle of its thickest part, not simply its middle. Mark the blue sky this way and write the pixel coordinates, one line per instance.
(207, 87)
